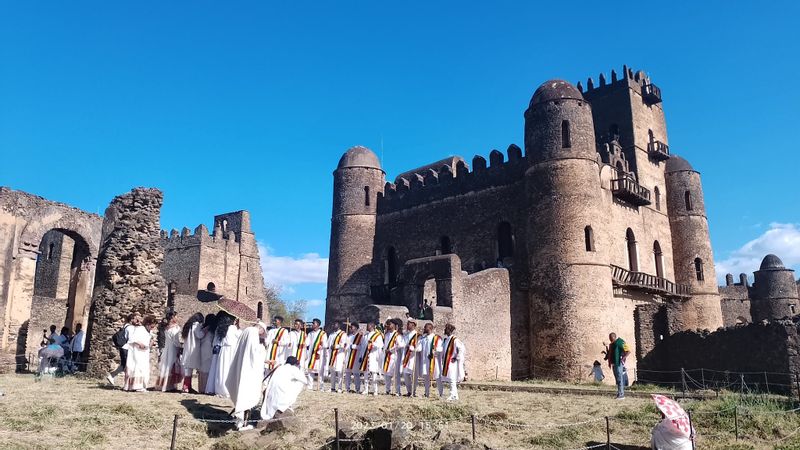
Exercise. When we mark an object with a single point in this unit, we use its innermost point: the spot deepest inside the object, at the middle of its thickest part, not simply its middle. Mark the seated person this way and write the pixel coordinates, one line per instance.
(52, 350)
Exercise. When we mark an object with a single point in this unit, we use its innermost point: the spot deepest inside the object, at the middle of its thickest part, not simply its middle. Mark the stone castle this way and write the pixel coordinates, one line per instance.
(49, 253)
(536, 256)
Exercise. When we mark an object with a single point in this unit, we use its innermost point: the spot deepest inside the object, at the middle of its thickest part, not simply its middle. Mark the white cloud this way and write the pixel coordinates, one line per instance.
(284, 271)
(781, 239)
(314, 303)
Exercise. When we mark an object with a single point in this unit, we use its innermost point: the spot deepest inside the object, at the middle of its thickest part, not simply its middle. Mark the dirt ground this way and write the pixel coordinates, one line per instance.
(81, 413)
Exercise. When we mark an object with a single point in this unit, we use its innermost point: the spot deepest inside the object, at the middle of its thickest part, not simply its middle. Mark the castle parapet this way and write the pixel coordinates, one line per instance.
(415, 189)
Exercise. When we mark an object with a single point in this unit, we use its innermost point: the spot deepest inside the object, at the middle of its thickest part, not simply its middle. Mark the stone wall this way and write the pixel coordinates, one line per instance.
(128, 272)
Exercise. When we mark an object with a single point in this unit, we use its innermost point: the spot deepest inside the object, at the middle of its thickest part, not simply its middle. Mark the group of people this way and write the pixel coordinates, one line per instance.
(62, 350)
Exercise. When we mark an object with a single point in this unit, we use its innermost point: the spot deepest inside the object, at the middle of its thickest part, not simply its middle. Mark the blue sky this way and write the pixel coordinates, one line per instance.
(228, 106)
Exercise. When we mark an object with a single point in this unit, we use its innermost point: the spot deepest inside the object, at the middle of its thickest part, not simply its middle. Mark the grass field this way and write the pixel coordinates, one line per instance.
(82, 413)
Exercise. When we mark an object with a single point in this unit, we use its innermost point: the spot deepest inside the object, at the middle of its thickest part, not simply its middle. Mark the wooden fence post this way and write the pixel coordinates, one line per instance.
(174, 433)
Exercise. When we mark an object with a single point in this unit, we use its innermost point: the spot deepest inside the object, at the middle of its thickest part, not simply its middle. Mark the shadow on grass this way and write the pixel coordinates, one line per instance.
(614, 445)
(202, 412)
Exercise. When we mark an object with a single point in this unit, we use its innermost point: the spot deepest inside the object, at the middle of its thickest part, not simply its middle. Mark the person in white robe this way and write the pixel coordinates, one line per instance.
(453, 363)
(137, 365)
(316, 344)
(206, 351)
(337, 347)
(247, 373)
(409, 361)
(279, 343)
(228, 333)
(170, 372)
(191, 333)
(282, 387)
(667, 436)
(353, 349)
(392, 354)
(430, 357)
(298, 339)
(371, 359)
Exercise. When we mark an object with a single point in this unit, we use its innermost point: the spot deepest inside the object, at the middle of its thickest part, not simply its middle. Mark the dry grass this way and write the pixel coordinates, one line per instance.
(80, 413)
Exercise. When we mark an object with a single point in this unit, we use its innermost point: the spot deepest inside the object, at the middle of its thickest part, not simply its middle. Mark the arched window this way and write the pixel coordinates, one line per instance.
(444, 245)
(650, 136)
(657, 194)
(172, 289)
(588, 237)
(687, 199)
(633, 253)
(366, 195)
(565, 138)
(698, 269)
(260, 310)
(620, 169)
(659, 259)
(224, 225)
(390, 273)
(505, 241)
(50, 250)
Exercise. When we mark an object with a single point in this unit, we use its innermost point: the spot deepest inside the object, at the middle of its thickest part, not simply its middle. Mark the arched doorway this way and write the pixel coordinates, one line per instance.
(633, 252)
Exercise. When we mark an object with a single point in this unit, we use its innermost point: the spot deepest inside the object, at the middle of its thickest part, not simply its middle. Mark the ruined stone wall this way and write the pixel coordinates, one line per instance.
(735, 304)
(45, 311)
(754, 348)
(129, 275)
(53, 265)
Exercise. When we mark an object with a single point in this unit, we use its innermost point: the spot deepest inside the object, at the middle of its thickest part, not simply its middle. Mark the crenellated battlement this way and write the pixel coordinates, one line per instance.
(185, 238)
(637, 80)
(416, 189)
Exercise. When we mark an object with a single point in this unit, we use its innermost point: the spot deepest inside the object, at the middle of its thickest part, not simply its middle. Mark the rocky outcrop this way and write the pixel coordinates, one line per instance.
(128, 272)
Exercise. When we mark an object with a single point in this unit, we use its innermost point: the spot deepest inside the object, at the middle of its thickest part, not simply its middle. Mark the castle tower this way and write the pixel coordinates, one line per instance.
(356, 183)
(570, 274)
(691, 247)
(775, 293)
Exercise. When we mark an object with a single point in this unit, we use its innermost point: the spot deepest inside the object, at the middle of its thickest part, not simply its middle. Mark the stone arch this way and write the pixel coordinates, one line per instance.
(417, 273)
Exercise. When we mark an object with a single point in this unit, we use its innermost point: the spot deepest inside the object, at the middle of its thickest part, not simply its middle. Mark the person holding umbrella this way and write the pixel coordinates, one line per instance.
(674, 432)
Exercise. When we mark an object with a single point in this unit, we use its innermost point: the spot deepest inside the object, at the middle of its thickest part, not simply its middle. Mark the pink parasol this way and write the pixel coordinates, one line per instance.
(674, 413)
(238, 309)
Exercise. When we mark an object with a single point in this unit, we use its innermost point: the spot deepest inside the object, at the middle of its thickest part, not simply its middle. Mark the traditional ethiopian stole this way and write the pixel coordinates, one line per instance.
(314, 356)
(353, 351)
(388, 356)
(365, 357)
(448, 355)
(410, 349)
(273, 350)
(335, 351)
(301, 346)
(432, 355)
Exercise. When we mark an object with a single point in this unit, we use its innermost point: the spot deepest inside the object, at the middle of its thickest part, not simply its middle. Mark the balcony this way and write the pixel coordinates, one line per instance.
(651, 94)
(630, 191)
(658, 150)
(622, 277)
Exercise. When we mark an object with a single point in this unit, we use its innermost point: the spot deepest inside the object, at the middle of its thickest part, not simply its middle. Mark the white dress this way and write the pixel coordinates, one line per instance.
(137, 366)
(170, 372)
(211, 383)
(225, 359)
(206, 350)
(191, 357)
(247, 371)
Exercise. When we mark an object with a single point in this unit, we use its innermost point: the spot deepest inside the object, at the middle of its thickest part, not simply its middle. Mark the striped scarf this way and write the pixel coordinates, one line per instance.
(335, 350)
(387, 359)
(354, 351)
(370, 342)
(448, 355)
(273, 351)
(410, 349)
(312, 360)
(301, 345)
(432, 354)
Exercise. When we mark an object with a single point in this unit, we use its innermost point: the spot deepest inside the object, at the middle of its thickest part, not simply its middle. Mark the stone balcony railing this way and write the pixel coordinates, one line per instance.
(658, 150)
(651, 94)
(648, 283)
(627, 189)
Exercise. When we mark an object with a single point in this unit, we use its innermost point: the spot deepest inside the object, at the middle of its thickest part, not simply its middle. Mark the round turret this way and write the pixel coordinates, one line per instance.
(359, 156)
(775, 293)
(677, 164)
(558, 124)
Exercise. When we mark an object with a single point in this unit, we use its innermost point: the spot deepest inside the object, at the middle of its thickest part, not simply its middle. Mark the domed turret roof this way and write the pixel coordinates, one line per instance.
(359, 156)
(771, 262)
(555, 90)
(677, 164)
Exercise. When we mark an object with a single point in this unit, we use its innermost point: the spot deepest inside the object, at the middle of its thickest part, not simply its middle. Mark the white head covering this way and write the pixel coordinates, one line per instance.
(247, 371)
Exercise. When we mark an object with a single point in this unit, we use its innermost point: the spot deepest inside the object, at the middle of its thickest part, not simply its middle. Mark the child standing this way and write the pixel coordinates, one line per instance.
(597, 372)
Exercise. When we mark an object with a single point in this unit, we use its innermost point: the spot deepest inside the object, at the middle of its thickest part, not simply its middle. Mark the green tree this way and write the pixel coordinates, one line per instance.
(289, 310)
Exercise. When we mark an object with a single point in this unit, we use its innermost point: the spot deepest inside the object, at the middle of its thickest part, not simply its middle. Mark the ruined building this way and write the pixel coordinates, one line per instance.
(536, 256)
(48, 257)
(773, 295)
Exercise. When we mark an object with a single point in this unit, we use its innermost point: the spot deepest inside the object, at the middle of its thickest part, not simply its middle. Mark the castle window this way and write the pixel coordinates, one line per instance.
(791, 308)
(245, 290)
(650, 135)
(588, 237)
(565, 138)
(50, 250)
(260, 310)
(633, 253)
(224, 225)
(613, 132)
(390, 272)
(505, 241)
(658, 198)
(687, 199)
(659, 259)
(698, 269)
(366, 195)
(444, 245)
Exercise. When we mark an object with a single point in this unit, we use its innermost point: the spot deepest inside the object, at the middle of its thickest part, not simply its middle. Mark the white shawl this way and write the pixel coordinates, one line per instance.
(247, 371)
(283, 387)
